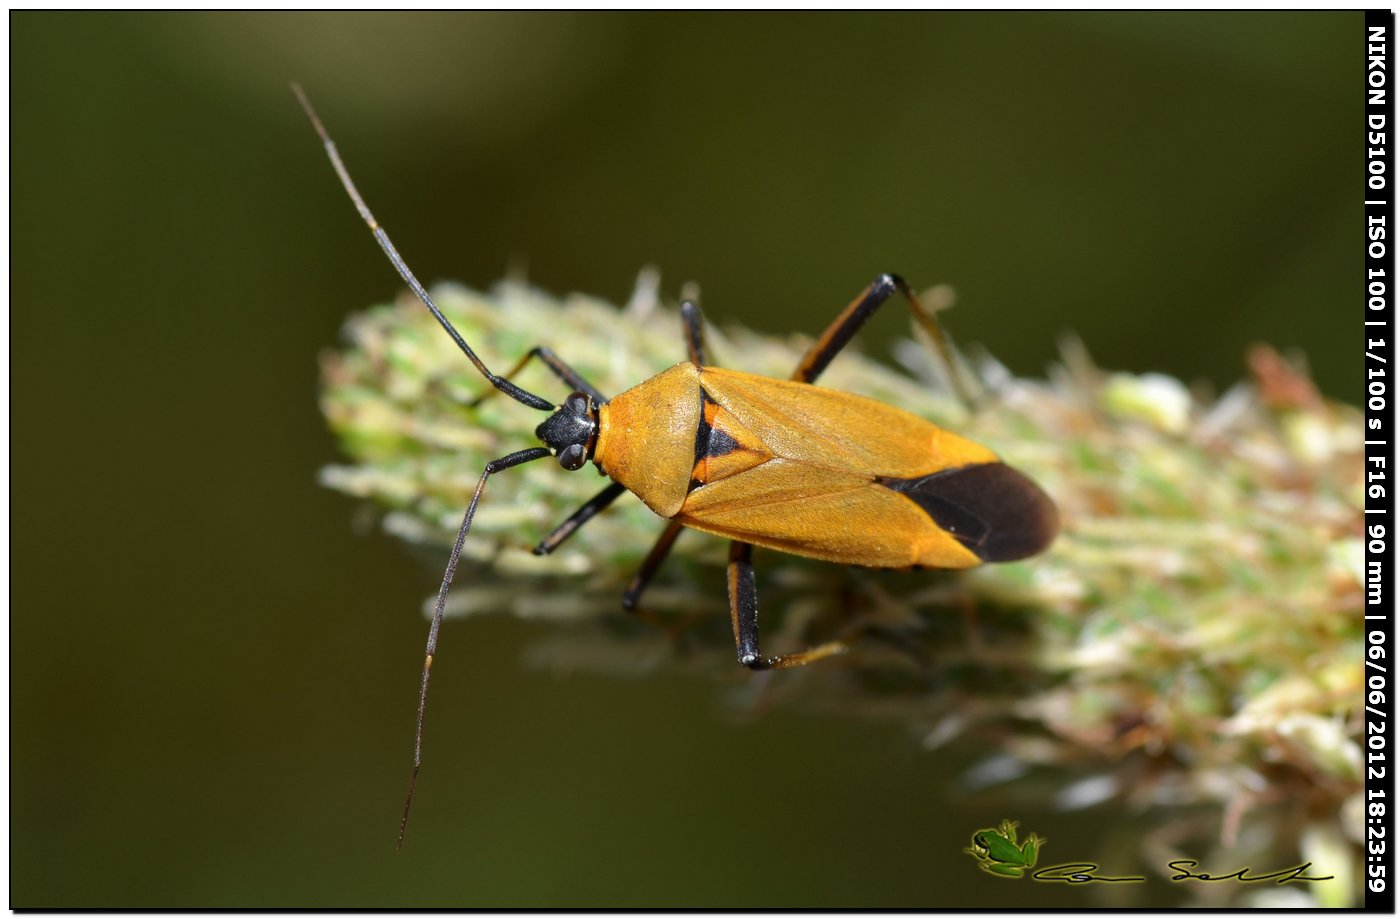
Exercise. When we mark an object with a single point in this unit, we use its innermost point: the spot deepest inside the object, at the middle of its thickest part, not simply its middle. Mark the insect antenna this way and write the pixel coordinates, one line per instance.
(505, 462)
(501, 383)
(493, 467)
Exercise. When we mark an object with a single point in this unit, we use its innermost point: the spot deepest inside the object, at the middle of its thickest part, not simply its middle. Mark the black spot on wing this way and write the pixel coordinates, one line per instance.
(721, 443)
(709, 441)
(997, 512)
(702, 434)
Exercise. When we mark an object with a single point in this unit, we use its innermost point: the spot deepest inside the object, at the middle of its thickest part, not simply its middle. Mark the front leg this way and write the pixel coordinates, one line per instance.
(556, 366)
(578, 518)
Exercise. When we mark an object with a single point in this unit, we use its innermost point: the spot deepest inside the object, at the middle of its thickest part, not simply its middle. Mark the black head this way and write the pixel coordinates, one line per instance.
(571, 431)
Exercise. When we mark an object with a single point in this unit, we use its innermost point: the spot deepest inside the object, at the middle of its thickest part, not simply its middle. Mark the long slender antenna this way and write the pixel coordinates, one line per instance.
(493, 467)
(505, 462)
(501, 383)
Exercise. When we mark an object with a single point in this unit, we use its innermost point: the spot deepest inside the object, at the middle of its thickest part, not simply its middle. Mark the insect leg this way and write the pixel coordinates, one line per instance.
(493, 467)
(845, 326)
(692, 323)
(743, 613)
(650, 565)
(578, 518)
(560, 369)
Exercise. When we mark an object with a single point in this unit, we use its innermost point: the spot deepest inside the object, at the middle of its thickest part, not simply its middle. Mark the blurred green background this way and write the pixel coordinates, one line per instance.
(213, 671)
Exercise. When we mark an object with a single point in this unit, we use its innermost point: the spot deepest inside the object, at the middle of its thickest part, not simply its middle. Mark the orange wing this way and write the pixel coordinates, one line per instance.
(843, 517)
(843, 478)
(838, 430)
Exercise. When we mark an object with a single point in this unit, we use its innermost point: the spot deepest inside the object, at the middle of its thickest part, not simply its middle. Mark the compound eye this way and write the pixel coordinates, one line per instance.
(572, 457)
(577, 403)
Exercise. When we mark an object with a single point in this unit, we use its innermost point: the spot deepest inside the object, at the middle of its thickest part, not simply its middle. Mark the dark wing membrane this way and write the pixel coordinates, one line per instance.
(998, 513)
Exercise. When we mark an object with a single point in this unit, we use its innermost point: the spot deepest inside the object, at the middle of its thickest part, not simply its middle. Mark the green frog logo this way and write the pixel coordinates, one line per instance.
(998, 853)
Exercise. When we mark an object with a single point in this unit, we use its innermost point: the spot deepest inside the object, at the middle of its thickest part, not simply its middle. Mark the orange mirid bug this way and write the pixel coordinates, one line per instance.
(782, 464)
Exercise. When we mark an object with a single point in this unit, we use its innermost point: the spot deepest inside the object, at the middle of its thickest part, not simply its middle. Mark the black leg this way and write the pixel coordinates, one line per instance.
(743, 592)
(743, 613)
(493, 467)
(560, 369)
(743, 605)
(692, 323)
(578, 518)
(650, 565)
(845, 326)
